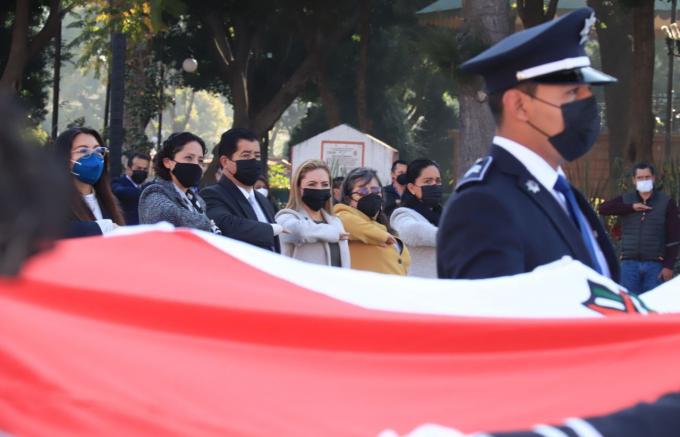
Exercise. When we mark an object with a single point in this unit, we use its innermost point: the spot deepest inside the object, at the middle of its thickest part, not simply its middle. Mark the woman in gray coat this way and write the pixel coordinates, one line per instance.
(179, 167)
(311, 232)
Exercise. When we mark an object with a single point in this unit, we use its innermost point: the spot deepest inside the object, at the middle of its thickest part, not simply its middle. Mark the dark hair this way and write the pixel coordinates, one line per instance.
(495, 100)
(416, 167)
(229, 140)
(171, 146)
(138, 155)
(34, 193)
(364, 176)
(337, 181)
(396, 163)
(263, 179)
(102, 188)
(642, 166)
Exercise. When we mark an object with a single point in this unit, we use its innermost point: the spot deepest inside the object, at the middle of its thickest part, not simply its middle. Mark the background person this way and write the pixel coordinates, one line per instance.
(393, 192)
(94, 209)
(337, 189)
(262, 187)
(312, 232)
(650, 232)
(241, 212)
(371, 245)
(128, 186)
(179, 167)
(417, 219)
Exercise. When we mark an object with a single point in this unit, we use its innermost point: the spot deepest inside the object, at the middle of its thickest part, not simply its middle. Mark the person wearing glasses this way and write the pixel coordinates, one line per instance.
(311, 232)
(94, 209)
(372, 246)
(417, 219)
(172, 198)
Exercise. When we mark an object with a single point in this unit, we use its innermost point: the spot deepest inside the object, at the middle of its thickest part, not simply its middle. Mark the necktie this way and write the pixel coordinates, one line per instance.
(579, 219)
(194, 201)
(256, 209)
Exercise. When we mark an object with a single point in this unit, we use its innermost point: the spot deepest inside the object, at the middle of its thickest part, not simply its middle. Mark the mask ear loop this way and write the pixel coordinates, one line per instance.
(536, 128)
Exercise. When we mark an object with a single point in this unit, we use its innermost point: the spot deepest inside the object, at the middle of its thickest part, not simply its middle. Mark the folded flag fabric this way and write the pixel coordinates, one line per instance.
(175, 332)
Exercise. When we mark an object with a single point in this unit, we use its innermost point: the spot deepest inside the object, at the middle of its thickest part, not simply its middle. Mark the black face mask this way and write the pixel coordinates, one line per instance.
(247, 171)
(402, 179)
(581, 127)
(189, 175)
(315, 199)
(370, 205)
(139, 176)
(431, 194)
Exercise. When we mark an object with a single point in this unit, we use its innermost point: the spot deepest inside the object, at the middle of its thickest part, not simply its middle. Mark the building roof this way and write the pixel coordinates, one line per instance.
(451, 5)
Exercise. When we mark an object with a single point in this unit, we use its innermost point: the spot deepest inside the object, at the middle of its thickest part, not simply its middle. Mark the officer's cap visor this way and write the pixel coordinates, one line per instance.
(587, 75)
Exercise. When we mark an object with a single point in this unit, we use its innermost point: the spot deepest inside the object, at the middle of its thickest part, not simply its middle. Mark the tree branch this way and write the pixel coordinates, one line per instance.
(225, 56)
(49, 30)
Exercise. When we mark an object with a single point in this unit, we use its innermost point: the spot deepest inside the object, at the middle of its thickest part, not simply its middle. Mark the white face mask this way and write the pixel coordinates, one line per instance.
(263, 191)
(644, 186)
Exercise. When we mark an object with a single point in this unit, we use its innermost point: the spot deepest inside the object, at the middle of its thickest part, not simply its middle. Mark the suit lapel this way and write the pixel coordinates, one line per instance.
(236, 194)
(545, 201)
(263, 202)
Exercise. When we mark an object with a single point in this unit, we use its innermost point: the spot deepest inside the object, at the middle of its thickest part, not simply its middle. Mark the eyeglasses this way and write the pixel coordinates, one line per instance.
(365, 191)
(85, 151)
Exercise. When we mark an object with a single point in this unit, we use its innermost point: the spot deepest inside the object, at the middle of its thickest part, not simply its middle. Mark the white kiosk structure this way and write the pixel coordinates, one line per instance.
(344, 148)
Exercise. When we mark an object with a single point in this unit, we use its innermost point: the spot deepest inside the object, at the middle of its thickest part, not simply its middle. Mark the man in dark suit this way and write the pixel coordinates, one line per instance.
(236, 208)
(128, 187)
(392, 193)
(514, 210)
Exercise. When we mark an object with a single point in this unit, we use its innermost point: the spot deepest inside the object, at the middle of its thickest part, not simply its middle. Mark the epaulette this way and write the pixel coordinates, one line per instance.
(476, 173)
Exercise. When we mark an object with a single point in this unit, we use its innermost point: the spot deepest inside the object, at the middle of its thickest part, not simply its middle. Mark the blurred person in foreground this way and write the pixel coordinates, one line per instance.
(94, 208)
(312, 232)
(372, 246)
(417, 219)
(34, 197)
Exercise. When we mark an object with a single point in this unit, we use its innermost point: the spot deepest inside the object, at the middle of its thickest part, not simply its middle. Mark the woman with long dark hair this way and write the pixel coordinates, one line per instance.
(372, 246)
(172, 198)
(94, 209)
(417, 220)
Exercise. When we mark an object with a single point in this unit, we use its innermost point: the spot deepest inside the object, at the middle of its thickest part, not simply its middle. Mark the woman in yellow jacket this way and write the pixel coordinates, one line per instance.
(371, 245)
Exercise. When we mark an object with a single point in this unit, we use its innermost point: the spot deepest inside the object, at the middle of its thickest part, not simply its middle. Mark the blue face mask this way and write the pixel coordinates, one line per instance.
(89, 168)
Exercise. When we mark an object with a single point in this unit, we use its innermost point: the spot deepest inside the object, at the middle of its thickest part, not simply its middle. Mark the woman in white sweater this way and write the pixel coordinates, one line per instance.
(417, 219)
(311, 232)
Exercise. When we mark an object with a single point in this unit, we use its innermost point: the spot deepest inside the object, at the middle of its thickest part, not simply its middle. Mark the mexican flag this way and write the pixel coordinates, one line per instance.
(174, 332)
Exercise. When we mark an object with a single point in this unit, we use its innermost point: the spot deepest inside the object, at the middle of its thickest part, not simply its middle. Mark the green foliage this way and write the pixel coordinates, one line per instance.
(37, 76)
(278, 177)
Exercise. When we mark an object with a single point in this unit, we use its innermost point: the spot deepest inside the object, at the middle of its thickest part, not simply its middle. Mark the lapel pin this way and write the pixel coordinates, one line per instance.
(533, 186)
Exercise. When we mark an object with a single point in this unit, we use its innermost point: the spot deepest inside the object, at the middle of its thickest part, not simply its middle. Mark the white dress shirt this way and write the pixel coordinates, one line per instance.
(93, 204)
(261, 217)
(547, 177)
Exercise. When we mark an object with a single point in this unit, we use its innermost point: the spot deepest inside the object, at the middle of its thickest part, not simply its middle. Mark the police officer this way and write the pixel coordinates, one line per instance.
(514, 209)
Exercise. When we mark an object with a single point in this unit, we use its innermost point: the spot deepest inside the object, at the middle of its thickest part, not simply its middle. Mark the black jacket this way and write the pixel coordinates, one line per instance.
(391, 199)
(658, 419)
(128, 196)
(229, 209)
(501, 222)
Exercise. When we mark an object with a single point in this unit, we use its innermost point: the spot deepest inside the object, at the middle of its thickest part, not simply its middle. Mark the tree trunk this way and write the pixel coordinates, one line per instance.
(328, 98)
(365, 124)
(21, 51)
(641, 117)
(532, 12)
(616, 54)
(491, 21)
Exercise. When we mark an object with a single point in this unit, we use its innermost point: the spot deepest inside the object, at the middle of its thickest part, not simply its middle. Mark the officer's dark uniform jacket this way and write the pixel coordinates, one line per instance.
(501, 221)
(643, 233)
